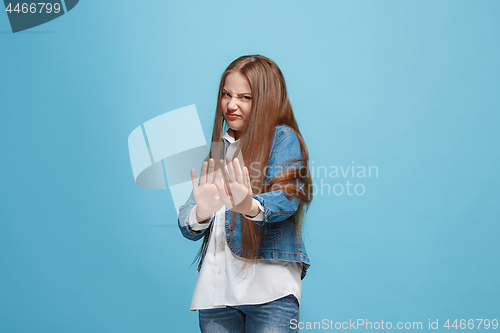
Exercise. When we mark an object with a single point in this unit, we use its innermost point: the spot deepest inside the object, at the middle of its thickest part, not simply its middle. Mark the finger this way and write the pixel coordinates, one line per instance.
(237, 171)
(226, 181)
(248, 183)
(203, 176)
(226, 200)
(218, 178)
(193, 179)
(222, 169)
(210, 175)
(230, 169)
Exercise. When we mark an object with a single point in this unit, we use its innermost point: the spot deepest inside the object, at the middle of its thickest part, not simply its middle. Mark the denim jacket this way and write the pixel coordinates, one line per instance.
(280, 235)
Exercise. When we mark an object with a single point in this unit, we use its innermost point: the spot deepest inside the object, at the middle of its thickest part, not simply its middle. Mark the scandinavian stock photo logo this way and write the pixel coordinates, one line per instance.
(26, 15)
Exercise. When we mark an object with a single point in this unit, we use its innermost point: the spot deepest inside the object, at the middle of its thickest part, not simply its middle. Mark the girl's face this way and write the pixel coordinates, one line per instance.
(236, 103)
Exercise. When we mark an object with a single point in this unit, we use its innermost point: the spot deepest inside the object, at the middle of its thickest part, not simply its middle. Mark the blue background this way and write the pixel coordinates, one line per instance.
(411, 87)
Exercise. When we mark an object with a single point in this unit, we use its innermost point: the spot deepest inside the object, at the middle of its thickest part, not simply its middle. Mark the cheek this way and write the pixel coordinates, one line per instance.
(223, 103)
(248, 111)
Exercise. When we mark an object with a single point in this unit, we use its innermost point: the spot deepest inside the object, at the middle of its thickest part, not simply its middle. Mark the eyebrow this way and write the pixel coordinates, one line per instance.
(240, 94)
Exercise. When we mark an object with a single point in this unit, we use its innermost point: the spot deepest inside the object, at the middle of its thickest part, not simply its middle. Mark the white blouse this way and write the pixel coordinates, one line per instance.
(222, 280)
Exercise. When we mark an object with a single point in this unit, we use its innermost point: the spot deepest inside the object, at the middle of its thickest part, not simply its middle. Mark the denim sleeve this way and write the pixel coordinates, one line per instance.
(277, 207)
(183, 220)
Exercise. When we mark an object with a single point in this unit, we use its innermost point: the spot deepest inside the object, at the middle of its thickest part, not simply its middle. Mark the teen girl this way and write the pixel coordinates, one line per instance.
(252, 258)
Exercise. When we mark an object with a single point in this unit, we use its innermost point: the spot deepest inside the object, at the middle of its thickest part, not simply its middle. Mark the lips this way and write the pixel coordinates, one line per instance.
(232, 116)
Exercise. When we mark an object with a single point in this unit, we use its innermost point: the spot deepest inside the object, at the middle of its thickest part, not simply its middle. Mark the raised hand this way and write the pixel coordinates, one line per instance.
(206, 195)
(236, 192)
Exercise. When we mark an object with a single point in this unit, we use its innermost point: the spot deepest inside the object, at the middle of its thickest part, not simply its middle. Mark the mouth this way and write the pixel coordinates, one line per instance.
(232, 116)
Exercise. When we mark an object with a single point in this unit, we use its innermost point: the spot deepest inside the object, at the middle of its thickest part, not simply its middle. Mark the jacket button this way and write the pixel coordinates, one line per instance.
(231, 227)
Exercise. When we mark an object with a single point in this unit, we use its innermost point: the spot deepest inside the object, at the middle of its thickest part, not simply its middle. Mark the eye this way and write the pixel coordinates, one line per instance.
(225, 94)
(248, 98)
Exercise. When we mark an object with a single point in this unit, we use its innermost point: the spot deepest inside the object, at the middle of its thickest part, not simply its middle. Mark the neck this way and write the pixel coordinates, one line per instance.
(234, 134)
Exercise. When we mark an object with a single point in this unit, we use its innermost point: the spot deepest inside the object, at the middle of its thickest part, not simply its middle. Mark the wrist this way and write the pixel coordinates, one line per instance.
(201, 218)
(254, 209)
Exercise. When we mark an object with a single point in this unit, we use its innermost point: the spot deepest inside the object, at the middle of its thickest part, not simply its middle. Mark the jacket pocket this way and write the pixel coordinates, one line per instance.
(272, 231)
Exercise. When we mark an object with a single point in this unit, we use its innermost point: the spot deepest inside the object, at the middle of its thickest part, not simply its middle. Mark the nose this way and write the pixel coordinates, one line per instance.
(233, 104)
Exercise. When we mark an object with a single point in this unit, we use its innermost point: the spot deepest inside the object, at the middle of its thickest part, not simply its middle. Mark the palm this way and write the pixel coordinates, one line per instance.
(205, 194)
(207, 198)
(236, 193)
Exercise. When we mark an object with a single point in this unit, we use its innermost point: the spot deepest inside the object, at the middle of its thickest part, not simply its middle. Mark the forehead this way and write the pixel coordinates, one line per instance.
(237, 83)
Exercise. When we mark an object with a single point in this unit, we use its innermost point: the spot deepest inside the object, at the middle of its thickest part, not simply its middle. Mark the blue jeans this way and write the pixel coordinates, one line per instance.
(272, 317)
